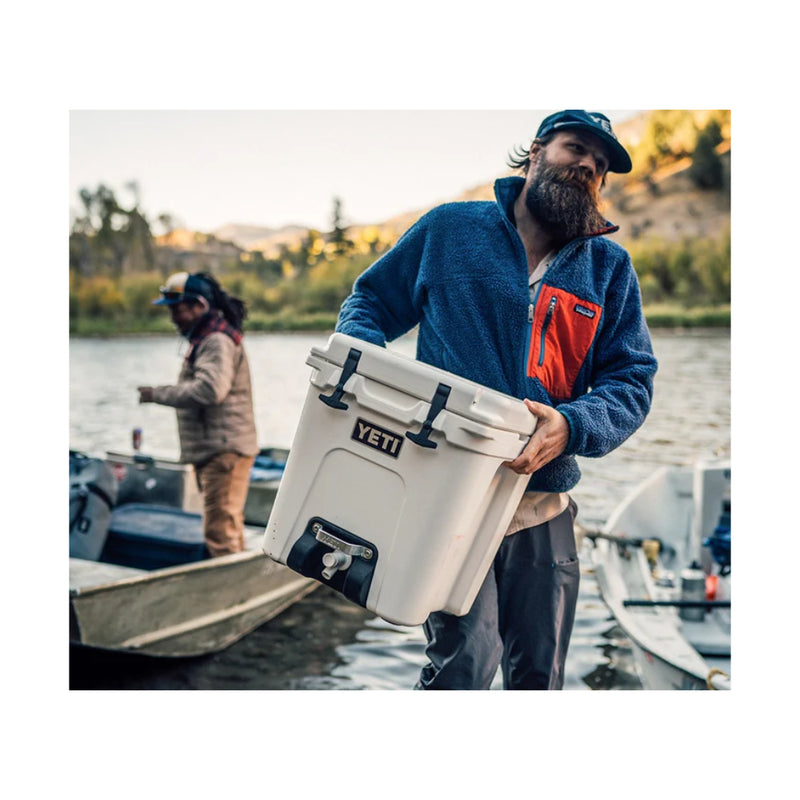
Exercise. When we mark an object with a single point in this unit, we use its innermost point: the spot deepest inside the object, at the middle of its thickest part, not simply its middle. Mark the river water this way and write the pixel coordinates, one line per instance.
(325, 642)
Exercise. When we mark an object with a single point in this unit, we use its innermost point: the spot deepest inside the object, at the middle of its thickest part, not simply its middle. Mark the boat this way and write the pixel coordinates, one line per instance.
(147, 479)
(662, 563)
(147, 585)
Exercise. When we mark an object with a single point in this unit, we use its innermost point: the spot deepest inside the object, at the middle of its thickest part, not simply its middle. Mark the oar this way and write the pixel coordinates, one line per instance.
(678, 603)
(630, 541)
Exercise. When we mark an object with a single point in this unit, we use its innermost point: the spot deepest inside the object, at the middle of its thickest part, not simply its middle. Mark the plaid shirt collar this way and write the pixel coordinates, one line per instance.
(213, 322)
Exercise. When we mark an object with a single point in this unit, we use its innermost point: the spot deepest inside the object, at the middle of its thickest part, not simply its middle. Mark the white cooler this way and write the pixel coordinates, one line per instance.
(394, 493)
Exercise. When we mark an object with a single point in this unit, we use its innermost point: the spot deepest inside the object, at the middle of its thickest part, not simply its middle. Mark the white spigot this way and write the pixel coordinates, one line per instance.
(334, 561)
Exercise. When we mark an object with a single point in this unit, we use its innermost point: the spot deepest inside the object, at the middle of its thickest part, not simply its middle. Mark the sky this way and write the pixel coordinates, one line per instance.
(272, 168)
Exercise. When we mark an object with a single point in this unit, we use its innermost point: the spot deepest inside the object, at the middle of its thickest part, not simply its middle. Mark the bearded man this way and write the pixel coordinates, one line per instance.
(526, 296)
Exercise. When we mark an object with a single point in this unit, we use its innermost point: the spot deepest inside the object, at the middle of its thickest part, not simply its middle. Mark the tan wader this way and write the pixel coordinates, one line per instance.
(224, 481)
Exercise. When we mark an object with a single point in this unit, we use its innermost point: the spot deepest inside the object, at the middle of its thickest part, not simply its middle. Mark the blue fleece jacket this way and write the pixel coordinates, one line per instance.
(461, 274)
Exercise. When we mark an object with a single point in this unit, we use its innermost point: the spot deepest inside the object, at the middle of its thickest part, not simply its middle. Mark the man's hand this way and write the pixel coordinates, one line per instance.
(548, 440)
(145, 394)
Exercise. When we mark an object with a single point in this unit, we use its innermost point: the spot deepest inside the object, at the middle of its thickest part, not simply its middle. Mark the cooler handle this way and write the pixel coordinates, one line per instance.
(423, 438)
(334, 399)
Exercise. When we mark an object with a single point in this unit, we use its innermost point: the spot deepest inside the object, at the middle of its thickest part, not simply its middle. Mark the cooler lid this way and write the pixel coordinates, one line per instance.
(466, 398)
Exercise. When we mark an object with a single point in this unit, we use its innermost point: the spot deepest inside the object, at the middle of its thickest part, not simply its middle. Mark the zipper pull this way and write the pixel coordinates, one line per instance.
(550, 309)
(530, 312)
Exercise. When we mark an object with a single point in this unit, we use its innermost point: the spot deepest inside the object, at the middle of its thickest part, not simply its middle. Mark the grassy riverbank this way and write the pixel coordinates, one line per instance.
(669, 316)
(658, 316)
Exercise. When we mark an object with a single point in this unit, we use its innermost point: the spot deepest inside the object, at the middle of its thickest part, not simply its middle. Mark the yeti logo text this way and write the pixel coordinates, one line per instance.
(379, 438)
(603, 123)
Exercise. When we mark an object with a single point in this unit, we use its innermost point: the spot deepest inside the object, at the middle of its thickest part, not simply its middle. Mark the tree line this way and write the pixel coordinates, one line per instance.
(116, 268)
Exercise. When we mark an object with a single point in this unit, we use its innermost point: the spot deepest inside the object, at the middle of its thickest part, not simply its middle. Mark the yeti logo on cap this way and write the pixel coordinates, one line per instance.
(603, 123)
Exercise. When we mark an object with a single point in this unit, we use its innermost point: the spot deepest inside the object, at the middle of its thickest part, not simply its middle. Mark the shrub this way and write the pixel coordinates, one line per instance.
(706, 170)
(98, 297)
(692, 272)
(138, 292)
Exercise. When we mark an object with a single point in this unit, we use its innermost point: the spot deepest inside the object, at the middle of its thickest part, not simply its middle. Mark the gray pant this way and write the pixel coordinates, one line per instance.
(521, 619)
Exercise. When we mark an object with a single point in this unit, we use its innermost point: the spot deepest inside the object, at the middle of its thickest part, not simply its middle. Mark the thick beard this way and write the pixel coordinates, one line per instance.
(564, 202)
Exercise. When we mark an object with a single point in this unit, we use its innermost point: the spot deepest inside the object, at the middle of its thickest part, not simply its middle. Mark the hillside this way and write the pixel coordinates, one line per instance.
(670, 208)
(254, 237)
(679, 210)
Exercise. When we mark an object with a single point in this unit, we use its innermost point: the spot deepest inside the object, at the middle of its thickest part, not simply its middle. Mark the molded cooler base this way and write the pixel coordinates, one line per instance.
(394, 492)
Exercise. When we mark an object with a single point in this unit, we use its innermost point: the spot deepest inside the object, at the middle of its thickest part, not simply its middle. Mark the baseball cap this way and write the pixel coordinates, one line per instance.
(183, 286)
(592, 122)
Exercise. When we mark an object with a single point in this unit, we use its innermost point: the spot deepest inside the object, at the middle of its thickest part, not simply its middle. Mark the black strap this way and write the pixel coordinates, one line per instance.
(101, 493)
(423, 438)
(81, 493)
(334, 399)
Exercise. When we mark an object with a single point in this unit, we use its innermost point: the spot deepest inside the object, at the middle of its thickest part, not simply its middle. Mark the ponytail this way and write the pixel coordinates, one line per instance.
(233, 308)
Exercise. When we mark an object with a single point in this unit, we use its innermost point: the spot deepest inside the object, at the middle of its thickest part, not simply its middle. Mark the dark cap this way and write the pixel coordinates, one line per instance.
(592, 122)
(182, 286)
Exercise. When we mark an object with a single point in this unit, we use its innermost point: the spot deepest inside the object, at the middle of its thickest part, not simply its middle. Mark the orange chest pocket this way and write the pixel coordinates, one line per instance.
(562, 332)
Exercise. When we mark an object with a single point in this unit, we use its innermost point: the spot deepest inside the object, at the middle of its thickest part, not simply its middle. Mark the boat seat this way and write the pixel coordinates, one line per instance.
(148, 536)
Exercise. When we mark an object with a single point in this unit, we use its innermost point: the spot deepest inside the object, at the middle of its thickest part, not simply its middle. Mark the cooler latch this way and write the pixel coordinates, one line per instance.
(423, 438)
(334, 399)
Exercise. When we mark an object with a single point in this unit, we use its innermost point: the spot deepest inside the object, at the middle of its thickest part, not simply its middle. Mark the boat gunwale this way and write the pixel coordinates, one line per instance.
(148, 576)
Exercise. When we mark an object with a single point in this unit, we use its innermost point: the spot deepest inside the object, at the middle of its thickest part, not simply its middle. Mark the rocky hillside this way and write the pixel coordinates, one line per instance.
(672, 209)
(669, 207)
(253, 237)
